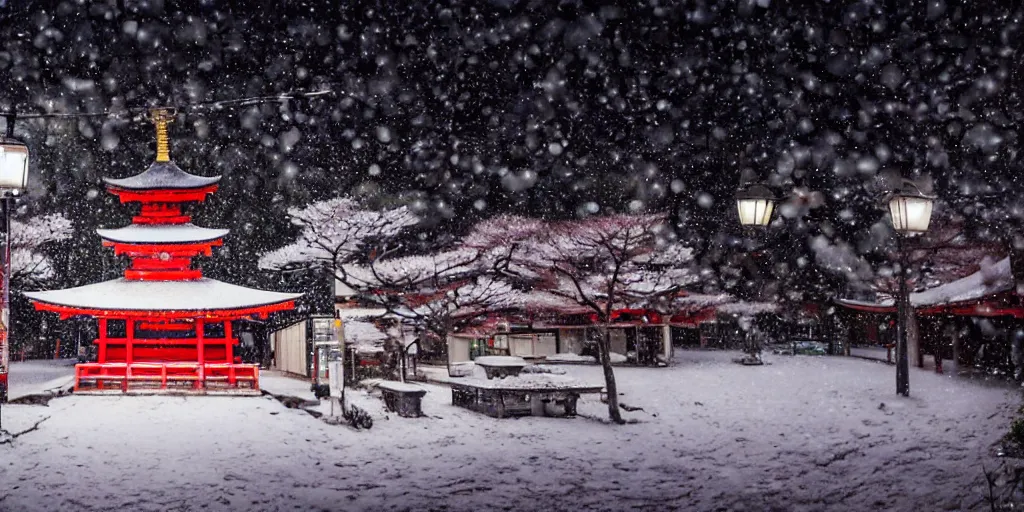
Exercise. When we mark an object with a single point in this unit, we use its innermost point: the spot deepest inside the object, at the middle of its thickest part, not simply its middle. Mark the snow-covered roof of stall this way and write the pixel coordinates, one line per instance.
(356, 313)
(161, 234)
(991, 279)
(365, 336)
(747, 308)
(702, 300)
(162, 176)
(203, 294)
(363, 333)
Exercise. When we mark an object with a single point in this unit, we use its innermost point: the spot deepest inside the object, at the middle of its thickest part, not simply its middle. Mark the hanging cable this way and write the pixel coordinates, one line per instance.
(139, 113)
(11, 117)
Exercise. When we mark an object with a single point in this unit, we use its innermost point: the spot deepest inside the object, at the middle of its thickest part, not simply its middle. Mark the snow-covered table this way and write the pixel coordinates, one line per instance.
(501, 366)
(523, 395)
(402, 398)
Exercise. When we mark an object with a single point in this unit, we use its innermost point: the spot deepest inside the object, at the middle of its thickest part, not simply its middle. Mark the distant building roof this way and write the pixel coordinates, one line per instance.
(991, 280)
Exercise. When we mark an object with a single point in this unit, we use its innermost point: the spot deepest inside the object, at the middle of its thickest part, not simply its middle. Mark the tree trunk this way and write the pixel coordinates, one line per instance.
(956, 347)
(604, 349)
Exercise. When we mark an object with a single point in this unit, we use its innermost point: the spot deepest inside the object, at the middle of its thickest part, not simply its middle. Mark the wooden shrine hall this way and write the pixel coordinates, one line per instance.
(164, 327)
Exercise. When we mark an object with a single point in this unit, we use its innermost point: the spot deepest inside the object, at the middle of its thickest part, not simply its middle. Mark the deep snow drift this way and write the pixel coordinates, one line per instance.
(803, 433)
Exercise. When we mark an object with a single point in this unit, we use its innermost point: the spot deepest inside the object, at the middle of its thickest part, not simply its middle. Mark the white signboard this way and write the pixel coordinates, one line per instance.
(336, 377)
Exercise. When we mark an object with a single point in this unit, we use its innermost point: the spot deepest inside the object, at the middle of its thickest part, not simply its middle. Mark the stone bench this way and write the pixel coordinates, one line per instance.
(504, 402)
(404, 399)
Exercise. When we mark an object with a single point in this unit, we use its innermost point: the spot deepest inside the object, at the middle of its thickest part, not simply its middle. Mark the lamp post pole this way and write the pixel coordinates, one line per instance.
(13, 173)
(755, 204)
(910, 210)
(902, 305)
(5, 313)
(8, 203)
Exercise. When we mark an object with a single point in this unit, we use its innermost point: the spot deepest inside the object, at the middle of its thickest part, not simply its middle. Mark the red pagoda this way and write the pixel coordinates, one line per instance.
(164, 327)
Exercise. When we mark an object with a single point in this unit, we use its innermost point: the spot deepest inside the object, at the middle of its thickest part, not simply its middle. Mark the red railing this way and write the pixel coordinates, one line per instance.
(186, 377)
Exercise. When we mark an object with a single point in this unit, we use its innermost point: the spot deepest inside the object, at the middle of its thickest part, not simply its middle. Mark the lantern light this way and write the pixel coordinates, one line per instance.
(13, 164)
(755, 204)
(910, 209)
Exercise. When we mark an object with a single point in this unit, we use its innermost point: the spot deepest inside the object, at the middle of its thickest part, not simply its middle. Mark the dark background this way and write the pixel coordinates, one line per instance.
(556, 109)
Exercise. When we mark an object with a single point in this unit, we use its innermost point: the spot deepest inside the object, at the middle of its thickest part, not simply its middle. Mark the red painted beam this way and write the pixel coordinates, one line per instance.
(163, 275)
(164, 326)
(170, 341)
(163, 195)
(155, 250)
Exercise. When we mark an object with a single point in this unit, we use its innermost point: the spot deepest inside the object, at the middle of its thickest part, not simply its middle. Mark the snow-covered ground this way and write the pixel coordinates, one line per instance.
(803, 433)
(38, 376)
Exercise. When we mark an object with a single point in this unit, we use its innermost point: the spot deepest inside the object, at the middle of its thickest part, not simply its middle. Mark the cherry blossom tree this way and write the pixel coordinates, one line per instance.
(446, 291)
(439, 293)
(336, 232)
(607, 263)
(30, 265)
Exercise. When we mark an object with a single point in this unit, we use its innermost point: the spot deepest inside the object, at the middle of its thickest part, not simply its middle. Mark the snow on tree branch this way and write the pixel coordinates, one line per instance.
(29, 266)
(610, 262)
(337, 231)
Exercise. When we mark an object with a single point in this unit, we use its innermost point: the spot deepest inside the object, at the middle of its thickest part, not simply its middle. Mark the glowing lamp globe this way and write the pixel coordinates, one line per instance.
(910, 209)
(13, 164)
(755, 205)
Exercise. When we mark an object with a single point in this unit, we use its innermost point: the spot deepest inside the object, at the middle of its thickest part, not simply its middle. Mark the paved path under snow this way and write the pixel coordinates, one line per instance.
(804, 433)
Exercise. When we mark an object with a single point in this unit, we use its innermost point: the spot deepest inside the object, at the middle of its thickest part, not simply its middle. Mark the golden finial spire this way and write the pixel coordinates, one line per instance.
(161, 117)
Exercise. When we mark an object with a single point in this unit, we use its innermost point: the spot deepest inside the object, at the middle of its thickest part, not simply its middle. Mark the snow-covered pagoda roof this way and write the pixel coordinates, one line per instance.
(162, 176)
(122, 295)
(161, 234)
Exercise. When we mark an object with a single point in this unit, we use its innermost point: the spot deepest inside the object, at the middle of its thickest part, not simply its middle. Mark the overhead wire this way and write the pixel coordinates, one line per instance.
(190, 108)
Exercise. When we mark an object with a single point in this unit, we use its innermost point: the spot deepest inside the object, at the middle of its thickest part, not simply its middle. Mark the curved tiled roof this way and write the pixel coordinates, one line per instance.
(162, 176)
(161, 234)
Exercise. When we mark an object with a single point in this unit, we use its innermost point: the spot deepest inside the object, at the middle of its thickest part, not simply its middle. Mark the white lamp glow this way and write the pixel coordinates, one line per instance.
(755, 205)
(910, 209)
(13, 165)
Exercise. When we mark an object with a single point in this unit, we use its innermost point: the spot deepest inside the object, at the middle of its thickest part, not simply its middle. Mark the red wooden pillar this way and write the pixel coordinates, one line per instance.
(101, 352)
(200, 353)
(229, 356)
(129, 333)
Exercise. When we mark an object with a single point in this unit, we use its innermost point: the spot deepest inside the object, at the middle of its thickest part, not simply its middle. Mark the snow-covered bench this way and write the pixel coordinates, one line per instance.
(501, 366)
(402, 398)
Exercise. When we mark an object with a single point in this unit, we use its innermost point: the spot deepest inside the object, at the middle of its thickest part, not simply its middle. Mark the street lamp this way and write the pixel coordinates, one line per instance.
(13, 175)
(755, 204)
(910, 210)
